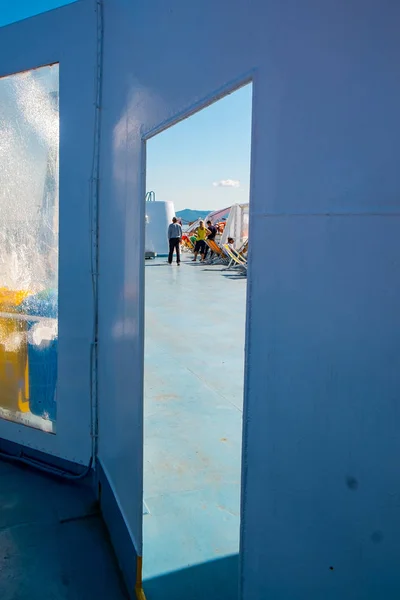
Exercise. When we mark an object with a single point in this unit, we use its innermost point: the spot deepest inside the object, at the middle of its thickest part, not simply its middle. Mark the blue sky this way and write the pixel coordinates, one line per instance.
(16, 10)
(210, 147)
(198, 162)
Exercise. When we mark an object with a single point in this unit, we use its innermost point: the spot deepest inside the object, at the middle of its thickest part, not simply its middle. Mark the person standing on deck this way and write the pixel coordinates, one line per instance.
(211, 236)
(174, 240)
(200, 246)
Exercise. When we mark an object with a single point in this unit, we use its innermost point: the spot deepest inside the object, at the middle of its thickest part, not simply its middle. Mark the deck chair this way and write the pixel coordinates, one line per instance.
(244, 247)
(241, 251)
(187, 244)
(228, 257)
(236, 258)
(219, 255)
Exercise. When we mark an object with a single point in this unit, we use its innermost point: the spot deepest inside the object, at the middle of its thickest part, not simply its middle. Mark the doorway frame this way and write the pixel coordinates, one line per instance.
(213, 98)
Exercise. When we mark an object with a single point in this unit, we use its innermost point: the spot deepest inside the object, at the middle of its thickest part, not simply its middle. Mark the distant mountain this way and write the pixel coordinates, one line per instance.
(188, 215)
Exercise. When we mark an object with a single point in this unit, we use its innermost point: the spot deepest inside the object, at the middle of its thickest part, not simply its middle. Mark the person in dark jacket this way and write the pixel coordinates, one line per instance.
(211, 236)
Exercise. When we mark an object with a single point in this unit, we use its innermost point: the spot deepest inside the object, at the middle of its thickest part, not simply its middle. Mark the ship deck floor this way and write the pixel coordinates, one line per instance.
(194, 363)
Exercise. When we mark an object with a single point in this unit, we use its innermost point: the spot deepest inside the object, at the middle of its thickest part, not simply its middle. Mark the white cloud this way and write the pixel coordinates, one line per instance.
(235, 183)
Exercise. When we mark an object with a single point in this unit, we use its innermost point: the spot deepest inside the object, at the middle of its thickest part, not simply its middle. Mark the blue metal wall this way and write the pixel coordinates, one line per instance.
(320, 455)
(321, 485)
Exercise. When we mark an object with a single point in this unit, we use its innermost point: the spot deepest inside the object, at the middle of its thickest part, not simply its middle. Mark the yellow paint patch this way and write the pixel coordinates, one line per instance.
(140, 594)
(139, 584)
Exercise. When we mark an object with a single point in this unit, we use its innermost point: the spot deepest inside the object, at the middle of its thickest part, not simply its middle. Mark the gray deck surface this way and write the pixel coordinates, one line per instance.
(194, 362)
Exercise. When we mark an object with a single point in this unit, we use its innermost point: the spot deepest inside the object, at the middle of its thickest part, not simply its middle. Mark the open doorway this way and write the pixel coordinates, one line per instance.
(198, 175)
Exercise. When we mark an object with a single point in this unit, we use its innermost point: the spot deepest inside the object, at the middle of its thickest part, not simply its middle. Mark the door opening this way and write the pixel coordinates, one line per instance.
(197, 240)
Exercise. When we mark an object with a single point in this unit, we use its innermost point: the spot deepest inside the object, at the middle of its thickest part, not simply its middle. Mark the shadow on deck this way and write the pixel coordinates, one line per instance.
(217, 579)
(53, 543)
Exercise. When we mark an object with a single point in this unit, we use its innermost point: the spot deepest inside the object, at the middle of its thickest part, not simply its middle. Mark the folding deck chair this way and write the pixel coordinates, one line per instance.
(187, 245)
(237, 259)
(219, 255)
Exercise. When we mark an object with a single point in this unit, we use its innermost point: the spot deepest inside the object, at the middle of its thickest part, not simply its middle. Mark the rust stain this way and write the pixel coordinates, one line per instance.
(223, 440)
(222, 507)
(162, 397)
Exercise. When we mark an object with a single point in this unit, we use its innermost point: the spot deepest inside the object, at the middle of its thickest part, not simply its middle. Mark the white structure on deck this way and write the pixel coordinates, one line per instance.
(158, 217)
(237, 225)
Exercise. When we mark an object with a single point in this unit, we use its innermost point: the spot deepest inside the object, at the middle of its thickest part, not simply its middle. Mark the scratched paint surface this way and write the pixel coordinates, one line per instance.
(194, 361)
